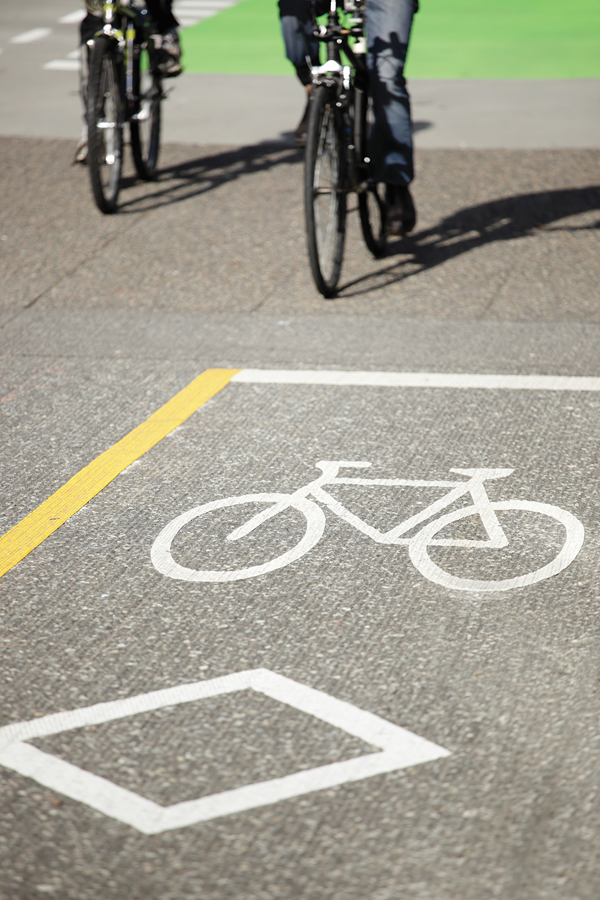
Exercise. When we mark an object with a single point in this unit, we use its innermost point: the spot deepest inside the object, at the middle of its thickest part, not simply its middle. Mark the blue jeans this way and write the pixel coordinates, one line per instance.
(388, 33)
(296, 29)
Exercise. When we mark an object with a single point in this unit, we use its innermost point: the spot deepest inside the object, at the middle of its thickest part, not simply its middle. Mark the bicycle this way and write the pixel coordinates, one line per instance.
(124, 87)
(428, 520)
(337, 161)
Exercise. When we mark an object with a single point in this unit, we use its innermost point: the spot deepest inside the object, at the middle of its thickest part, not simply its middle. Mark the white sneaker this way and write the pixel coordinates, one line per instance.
(81, 150)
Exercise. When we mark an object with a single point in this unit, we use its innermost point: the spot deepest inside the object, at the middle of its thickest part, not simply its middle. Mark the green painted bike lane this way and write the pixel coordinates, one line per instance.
(452, 39)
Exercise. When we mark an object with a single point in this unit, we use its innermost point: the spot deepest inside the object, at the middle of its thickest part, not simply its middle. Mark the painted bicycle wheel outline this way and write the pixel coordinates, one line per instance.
(425, 525)
(163, 561)
(423, 563)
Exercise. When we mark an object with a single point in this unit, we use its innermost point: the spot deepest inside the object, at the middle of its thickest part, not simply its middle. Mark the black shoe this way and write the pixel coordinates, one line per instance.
(167, 54)
(301, 130)
(401, 215)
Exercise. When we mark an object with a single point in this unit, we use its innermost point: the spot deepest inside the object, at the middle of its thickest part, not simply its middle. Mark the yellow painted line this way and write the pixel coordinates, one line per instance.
(79, 490)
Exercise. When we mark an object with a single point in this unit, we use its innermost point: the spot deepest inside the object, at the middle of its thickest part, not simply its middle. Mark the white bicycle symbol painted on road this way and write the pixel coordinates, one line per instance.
(418, 545)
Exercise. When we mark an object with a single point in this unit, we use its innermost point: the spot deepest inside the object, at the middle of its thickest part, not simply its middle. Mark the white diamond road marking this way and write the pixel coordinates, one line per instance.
(27, 37)
(399, 749)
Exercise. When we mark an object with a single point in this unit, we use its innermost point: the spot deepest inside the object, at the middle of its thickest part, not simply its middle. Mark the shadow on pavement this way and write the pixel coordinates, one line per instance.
(503, 219)
(205, 173)
(498, 220)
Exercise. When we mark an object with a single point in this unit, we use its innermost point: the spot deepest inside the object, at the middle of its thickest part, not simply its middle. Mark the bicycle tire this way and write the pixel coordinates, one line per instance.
(145, 129)
(324, 178)
(163, 561)
(424, 564)
(105, 124)
(371, 208)
(371, 200)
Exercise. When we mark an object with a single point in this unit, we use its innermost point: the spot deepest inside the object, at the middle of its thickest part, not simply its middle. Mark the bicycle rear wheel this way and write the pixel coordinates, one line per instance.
(427, 537)
(324, 200)
(105, 125)
(371, 207)
(371, 202)
(145, 126)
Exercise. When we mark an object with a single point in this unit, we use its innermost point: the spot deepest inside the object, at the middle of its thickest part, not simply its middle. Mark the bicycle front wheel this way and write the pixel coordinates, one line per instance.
(145, 126)
(105, 124)
(426, 538)
(162, 553)
(324, 199)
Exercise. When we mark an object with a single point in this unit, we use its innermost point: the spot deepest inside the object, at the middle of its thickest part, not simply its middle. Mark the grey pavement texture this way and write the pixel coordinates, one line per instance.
(501, 235)
(509, 685)
(102, 320)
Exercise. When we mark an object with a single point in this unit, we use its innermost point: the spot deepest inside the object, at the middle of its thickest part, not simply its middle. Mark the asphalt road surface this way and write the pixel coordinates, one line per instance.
(412, 731)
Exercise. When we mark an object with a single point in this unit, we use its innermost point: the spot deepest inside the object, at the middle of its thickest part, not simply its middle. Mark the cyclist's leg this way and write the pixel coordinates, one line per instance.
(162, 14)
(388, 33)
(166, 40)
(300, 46)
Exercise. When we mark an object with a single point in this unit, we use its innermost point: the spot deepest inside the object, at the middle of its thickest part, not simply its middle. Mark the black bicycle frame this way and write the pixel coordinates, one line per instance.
(129, 28)
(336, 36)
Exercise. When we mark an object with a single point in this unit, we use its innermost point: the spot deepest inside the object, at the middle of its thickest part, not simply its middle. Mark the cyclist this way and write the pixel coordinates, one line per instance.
(296, 17)
(166, 45)
(388, 25)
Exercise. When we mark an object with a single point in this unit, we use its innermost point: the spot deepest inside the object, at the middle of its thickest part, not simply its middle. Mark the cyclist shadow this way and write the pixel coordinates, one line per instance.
(505, 219)
(183, 181)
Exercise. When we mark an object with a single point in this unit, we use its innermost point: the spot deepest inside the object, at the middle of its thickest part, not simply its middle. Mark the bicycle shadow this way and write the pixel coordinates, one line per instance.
(503, 219)
(183, 181)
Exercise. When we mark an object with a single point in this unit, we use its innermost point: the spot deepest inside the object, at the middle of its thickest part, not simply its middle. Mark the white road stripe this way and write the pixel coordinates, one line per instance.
(189, 5)
(186, 21)
(63, 65)
(190, 12)
(27, 37)
(419, 379)
(72, 18)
